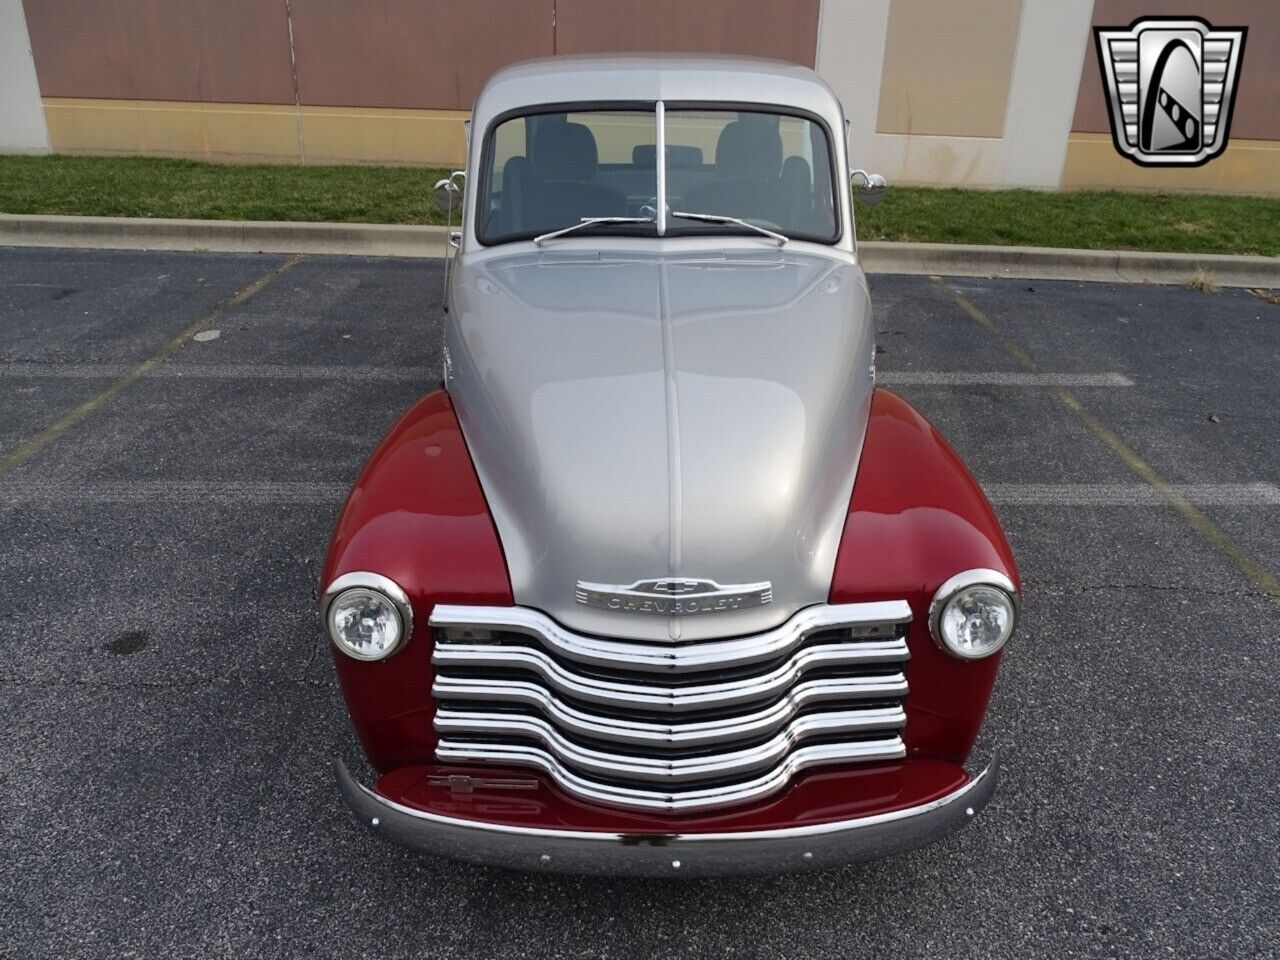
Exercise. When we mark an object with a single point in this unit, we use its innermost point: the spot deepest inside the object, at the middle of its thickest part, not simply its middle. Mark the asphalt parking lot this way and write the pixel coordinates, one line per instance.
(171, 713)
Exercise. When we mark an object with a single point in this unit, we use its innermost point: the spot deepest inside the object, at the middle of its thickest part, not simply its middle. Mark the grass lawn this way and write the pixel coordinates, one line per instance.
(146, 187)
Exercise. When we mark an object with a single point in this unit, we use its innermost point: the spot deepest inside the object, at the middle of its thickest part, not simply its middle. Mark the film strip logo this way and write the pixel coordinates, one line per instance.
(1170, 85)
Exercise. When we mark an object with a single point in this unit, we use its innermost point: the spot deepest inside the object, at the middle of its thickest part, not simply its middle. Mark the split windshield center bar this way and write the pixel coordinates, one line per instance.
(661, 214)
(660, 149)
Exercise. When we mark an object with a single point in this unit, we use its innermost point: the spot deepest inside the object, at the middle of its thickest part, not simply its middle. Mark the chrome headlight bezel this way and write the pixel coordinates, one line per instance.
(377, 583)
(957, 585)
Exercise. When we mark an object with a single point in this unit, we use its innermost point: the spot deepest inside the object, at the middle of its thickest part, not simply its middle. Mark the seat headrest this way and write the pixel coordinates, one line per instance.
(563, 151)
(679, 157)
(749, 149)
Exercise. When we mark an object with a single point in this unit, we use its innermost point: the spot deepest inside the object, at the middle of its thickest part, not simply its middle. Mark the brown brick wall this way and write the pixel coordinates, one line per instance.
(231, 51)
(412, 53)
(373, 53)
(781, 29)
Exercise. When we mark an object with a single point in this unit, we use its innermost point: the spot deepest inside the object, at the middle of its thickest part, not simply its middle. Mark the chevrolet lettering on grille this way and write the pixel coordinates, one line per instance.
(674, 596)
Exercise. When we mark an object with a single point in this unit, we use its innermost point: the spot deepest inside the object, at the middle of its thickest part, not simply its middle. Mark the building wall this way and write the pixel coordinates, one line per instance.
(22, 128)
(377, 81)
(986, 93)
(757, 28)
(995, 81)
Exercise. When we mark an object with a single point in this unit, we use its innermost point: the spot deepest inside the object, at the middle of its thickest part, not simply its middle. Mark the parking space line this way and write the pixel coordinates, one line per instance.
(1001, 379)
(172, 491)
(68, 420)
(1260, 494)
(1194, 517)
(1131, 494)
(220, 371)
(279, 371)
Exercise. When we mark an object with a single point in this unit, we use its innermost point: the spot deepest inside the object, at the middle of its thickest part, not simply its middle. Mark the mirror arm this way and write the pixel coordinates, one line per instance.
(451, 186)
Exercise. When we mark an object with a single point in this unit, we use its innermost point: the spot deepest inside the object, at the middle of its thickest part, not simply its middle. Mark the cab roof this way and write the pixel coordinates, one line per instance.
(651, 77)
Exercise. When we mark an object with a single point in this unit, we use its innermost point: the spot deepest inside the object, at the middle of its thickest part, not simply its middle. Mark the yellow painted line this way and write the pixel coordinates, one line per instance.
(1194, 517)
(68, 420)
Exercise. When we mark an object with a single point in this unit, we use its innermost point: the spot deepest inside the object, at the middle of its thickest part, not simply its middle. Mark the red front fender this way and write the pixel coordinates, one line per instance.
(417, 515)
(917, 518)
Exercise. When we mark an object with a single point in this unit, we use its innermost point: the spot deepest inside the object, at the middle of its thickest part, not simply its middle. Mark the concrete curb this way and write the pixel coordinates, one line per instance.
(390, 240)
(234, 236)
(1058, 263)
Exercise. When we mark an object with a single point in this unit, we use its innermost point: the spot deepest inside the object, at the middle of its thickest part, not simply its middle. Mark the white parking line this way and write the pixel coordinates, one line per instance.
(929, 378)
(1260, 494)
(356, 372)
(1131, 494)
(225, 371)
(171, 491)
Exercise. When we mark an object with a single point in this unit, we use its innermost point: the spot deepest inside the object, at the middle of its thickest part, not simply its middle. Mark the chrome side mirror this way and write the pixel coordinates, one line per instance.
(868, 187)
(448, 192)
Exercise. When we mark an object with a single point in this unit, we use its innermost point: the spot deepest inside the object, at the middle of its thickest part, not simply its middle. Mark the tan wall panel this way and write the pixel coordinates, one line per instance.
(947, 67)
(253, 132)
(1246, 166)
(1257, 110)
(371, 135)
(782, 29)
(206, 131)
(210, 50)
(412, 53)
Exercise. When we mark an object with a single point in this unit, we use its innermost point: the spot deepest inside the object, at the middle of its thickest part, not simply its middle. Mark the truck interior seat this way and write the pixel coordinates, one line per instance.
(556, 185)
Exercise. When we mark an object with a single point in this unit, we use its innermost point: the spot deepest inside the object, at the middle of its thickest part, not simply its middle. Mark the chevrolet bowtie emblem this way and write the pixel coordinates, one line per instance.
(673, 587)
(674, 596)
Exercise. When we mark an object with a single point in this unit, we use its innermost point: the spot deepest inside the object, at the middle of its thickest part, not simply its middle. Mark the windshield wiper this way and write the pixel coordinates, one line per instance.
(717, 218)
(587, 222)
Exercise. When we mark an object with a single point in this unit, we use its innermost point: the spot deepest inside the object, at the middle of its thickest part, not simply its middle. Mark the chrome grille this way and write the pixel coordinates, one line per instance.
(670, 728)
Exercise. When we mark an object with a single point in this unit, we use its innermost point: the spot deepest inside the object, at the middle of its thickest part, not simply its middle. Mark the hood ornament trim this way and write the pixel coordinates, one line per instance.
(674, 596)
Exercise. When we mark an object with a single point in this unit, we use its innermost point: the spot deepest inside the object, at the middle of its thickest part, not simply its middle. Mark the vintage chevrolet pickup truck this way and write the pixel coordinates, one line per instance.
(659, 582)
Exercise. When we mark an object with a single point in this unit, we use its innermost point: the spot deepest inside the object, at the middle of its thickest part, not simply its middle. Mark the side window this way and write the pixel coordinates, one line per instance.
(508, 142)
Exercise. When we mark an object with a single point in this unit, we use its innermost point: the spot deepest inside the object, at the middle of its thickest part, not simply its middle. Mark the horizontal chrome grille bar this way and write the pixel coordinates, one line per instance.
(862, 619)
(675, 699)
(755, 788)
(664, 727)
(600, 726)
(680, 770)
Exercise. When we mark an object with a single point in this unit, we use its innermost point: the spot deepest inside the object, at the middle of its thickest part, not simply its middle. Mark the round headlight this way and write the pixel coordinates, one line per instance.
(368, 616)
(974, 613)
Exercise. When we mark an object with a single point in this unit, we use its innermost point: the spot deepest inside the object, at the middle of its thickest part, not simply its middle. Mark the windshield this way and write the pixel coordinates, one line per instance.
(548, 171)
(765, 168)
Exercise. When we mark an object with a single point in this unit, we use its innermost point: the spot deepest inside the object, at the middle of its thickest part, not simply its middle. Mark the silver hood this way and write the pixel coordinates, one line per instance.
(639, 416)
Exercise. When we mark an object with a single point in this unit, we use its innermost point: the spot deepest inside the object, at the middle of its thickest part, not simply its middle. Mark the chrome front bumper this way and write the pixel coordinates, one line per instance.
(664, 855)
